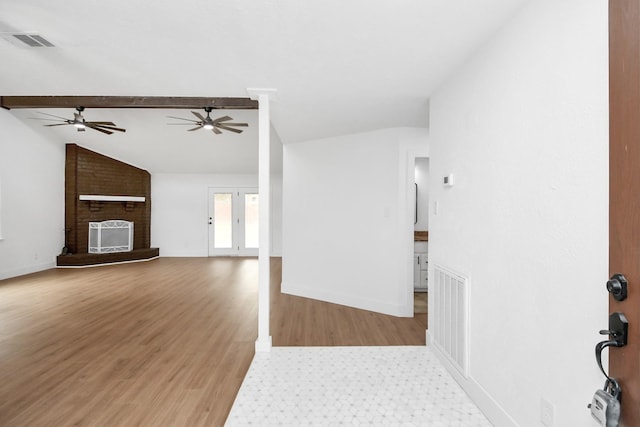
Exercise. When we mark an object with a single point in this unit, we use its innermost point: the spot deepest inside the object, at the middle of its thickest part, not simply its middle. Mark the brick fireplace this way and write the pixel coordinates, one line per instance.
(100, 188)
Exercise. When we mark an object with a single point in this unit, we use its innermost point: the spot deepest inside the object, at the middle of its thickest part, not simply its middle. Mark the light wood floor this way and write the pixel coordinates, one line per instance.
(159, 343)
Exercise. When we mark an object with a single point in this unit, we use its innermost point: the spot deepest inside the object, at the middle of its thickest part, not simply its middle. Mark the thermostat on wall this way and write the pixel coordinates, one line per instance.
(448, 180)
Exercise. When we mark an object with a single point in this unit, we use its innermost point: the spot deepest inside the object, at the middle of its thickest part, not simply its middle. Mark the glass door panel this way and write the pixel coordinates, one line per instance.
(223, 221)
(233, 221)
(251, 235)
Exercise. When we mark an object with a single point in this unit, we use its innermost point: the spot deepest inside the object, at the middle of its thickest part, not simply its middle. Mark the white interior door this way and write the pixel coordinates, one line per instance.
(233, 221)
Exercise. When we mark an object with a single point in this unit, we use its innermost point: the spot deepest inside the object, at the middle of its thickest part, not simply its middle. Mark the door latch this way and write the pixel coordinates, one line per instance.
(618, 331)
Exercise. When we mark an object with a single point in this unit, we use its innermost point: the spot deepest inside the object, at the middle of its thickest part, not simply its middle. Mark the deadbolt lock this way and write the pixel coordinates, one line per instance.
(617, 286)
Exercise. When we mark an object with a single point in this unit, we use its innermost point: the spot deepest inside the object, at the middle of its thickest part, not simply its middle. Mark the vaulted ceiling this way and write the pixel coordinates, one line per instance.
(339, 67)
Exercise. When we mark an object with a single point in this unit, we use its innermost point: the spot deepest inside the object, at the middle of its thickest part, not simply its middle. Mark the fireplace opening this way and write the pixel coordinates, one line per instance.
(110, 236)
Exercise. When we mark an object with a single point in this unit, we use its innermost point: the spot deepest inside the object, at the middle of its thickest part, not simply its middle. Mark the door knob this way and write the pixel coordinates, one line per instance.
(617, 286)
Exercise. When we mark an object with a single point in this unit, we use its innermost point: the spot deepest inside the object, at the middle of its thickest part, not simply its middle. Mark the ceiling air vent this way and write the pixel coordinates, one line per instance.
(33, 40)
(28, 39)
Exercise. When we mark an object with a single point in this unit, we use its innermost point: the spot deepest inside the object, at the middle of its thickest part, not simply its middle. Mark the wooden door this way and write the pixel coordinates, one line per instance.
(624, 190)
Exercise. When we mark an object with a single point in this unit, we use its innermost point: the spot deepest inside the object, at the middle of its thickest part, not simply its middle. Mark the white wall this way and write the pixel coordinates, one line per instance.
(32, 199)
(276, 192)
(523, 126)
(180, 211)
(347, 220)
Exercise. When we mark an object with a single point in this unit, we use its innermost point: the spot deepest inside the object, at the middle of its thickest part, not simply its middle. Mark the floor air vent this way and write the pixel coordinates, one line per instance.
(451, 307)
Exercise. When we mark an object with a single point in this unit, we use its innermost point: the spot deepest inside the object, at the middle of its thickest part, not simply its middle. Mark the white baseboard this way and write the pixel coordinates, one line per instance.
(27, 270)
(483, 400)
(263, 345)
(109, 263)
(355, 301)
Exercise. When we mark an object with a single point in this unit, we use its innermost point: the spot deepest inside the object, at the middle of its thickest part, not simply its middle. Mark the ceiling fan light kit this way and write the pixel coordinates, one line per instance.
(81, 124)
(214, 125)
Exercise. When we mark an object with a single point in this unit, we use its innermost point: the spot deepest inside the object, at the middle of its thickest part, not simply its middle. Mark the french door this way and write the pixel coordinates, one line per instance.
(233, 222)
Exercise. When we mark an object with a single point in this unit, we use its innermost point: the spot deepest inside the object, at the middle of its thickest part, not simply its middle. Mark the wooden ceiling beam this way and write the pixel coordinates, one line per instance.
(166, 102)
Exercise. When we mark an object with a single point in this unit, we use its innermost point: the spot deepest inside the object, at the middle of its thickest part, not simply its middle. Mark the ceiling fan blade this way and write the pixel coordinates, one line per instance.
(42, 118)
(58, 124)
(222, 119)
(98, 129)
(234, 124)
(198, 115)
(94, 126)
(51, 115)
(195, 128)
(182, 118)
(229, 129)
(101, 123)
(216, 130)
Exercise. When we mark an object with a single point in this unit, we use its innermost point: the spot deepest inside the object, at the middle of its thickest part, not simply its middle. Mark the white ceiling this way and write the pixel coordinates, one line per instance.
(339, 67)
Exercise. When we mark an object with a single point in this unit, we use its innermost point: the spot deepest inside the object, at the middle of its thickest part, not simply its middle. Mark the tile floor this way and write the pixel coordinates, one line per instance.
(330, 386)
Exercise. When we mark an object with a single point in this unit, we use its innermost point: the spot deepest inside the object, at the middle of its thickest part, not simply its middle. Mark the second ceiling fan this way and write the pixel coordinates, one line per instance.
(215, 125)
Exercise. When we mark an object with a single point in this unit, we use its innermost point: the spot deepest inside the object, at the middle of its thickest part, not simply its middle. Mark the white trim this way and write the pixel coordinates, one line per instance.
(495, 413)
(100, 198)
(406, 181)
(264, 193)
(269, 93)
(27, 270)
(108, 263)
(263, 343)
(238, 222)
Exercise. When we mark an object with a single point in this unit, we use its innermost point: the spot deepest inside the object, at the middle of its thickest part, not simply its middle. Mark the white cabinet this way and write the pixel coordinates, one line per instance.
(420, 266)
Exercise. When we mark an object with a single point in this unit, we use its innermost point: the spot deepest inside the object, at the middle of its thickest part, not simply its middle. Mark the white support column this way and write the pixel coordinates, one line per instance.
(263, 343)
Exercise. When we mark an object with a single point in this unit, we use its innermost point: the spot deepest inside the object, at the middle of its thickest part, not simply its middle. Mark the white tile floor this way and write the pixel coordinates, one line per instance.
(329, 386)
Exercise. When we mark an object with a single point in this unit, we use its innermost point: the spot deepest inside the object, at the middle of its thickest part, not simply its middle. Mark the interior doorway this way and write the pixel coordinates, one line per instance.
(421, 235)
(233, 221)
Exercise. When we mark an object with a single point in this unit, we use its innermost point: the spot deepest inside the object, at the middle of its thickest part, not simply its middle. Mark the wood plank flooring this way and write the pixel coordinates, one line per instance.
(159, 343)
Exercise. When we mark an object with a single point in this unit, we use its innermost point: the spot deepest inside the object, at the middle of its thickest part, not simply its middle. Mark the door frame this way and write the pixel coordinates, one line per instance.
(407, 167)
(238, 221)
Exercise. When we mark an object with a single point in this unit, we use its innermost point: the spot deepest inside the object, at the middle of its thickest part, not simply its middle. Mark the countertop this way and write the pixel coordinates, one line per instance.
(420, 236)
